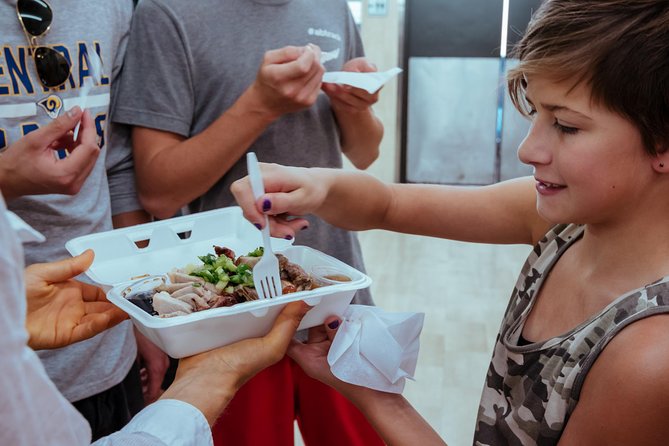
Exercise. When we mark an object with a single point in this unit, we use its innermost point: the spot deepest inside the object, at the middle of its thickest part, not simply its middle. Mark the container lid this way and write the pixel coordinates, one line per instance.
(155, 248)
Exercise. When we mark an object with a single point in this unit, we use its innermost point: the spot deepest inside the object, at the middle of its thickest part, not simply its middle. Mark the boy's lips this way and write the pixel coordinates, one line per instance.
(546, 187)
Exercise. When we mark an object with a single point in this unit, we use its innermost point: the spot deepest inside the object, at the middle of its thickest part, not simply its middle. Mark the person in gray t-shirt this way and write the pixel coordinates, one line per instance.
(203, 83)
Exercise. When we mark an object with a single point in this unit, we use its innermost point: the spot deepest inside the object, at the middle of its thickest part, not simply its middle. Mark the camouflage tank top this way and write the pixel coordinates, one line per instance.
(531, 390)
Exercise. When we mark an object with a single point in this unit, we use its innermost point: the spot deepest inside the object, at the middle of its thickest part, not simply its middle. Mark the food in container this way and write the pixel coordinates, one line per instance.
(133, 260)
(221, 280)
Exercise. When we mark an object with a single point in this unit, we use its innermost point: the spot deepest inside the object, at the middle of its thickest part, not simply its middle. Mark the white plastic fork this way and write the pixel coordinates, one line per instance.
(266, 277)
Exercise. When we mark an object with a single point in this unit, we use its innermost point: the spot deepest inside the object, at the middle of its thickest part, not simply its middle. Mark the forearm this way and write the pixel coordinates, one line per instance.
(209, 394)
(132, 218)
(174, 176)
(7, 185)
(361, 134)
(353, 200)
(394, 419)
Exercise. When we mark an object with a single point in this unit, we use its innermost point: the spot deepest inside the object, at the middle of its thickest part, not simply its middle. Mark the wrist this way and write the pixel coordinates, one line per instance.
(251, 103)
(6, 183)
(208, 392)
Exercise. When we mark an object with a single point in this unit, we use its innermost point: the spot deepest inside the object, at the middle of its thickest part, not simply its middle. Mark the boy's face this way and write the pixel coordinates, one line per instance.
(589, 162)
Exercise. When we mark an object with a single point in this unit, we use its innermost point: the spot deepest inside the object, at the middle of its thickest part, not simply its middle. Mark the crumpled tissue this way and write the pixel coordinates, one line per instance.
(375, 348)
(371, 81)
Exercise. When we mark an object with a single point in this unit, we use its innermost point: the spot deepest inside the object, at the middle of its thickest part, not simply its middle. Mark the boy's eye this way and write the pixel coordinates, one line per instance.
(564, 129)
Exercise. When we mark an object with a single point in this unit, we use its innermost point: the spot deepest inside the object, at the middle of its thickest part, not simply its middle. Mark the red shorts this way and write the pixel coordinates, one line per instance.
(265, 408)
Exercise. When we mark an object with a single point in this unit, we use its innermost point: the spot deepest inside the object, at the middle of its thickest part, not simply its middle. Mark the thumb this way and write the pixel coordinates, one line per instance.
(331, 326)
(57, 128)
(66, 269)
(286, 324)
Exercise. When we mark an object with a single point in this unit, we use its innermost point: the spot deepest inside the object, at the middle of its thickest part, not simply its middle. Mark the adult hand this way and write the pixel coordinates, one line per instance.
(312, 355)
(153, 365)
(61, 310)
(288, 80)
(351, 99)
(289, 192)
(209, 380)
(30, 167)
(393, 418)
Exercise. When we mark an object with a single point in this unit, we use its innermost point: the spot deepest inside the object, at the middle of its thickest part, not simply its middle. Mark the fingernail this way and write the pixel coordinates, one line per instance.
(305, 227)
(74, 111)
(288, 237)
(334, 324)
(257, 225)
(266, 205)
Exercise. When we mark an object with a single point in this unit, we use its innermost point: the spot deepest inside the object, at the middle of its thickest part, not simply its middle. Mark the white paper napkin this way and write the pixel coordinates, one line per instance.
(375, 348)
(25, 232)
(367, 81)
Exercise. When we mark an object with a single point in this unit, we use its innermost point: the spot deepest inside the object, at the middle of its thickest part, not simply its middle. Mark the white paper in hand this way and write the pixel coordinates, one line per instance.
(376, 349)
(367, 81)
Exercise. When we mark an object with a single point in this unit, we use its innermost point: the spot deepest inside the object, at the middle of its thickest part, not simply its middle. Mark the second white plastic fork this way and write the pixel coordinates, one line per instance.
(266, 278)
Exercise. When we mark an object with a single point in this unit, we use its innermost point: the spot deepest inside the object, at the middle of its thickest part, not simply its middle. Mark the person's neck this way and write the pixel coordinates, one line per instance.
(630, 253)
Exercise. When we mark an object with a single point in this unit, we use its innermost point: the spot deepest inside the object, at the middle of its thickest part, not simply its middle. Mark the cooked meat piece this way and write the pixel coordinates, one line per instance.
(172, 287)
(246, 293)
(287, 287)
(210, 296)
(211, 288)
(247, 260)
(229, 253)
(283, 260)
(179, 277)
(297, 275)
(185, 290)
(225, 300)
(163, 303)
(195, 301)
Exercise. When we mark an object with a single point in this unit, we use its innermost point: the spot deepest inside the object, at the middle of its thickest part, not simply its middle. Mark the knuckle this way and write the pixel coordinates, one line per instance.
(303, 67)
(236, 187)
(288, 91)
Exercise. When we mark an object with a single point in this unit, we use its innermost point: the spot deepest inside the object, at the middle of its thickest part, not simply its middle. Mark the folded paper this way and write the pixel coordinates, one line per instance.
(375, 348)
(367, 81)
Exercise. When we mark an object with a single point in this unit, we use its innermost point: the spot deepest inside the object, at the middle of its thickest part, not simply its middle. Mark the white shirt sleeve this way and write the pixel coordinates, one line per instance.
(33, 412)
(165, 422)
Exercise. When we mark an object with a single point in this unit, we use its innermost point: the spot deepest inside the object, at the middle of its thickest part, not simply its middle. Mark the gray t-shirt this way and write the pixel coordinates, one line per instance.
(78, 29)
(188, 62)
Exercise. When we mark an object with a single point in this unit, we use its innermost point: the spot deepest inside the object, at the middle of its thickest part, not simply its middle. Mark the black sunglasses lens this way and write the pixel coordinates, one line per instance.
(36, 16)
(52, 67)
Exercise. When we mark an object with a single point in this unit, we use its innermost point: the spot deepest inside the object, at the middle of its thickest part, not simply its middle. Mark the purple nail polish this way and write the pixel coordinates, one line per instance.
(334, 324)
(288, 237)
(266, 205)
(257, 225)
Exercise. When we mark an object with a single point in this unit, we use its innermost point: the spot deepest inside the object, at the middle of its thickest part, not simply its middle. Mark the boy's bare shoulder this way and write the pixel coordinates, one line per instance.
(625, 397)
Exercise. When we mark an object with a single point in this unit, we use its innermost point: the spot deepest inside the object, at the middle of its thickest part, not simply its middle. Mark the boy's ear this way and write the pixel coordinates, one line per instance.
(661, 161)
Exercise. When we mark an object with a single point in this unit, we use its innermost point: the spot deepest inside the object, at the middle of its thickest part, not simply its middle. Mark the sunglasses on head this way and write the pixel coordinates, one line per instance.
(35, 16)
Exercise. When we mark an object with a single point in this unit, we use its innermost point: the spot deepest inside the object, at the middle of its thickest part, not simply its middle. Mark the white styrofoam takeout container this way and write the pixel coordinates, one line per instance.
(120, 264)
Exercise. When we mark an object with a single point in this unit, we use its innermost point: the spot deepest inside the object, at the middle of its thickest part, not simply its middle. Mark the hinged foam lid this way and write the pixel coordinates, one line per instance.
(168, 244)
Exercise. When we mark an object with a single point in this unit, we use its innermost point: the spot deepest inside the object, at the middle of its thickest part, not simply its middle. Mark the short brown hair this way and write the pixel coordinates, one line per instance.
(619, 48)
